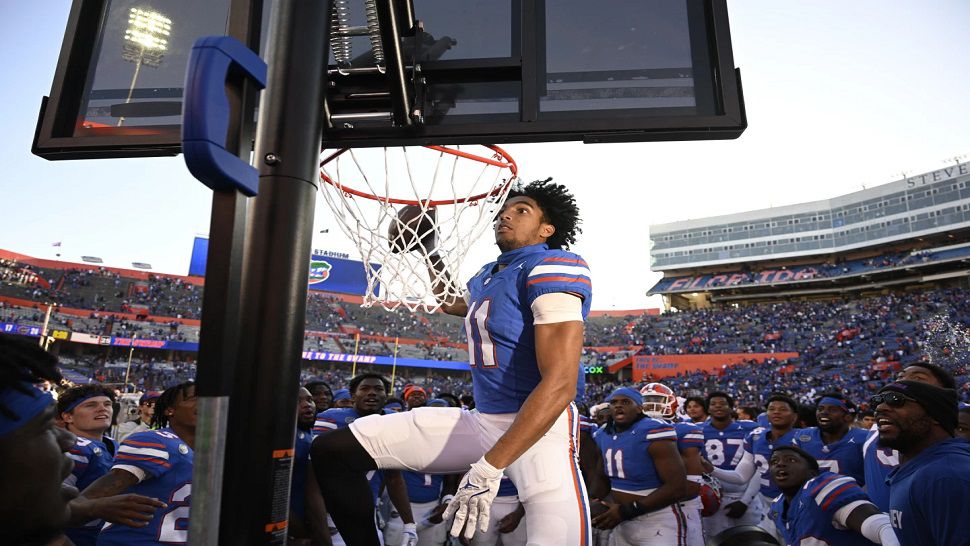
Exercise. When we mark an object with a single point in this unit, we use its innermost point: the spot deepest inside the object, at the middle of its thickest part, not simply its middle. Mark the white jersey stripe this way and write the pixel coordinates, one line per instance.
(565, 269)
(829, 487)
(325, 424)
(662, 435)
(78, 458)
(147, 451)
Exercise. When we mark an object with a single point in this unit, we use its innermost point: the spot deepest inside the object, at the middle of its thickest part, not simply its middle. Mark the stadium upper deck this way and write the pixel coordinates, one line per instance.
(924, 205)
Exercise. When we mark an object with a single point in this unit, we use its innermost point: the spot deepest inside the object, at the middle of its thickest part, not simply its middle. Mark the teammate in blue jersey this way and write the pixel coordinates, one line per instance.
(429, 494)
(508, 515)
(524, 318)
(87, 411)
(368, 396)
(155, 464)
(782, 414)
(835, 443)
(34, 506)
(647, 475)
(307, 512)
(660, 402)
(819, 508)
(723, 441)
(879, 460)
(928, 490)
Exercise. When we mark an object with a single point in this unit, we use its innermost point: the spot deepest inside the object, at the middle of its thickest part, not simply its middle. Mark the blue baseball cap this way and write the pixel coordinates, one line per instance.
(627, 392)
(341, 394)
(437, 403)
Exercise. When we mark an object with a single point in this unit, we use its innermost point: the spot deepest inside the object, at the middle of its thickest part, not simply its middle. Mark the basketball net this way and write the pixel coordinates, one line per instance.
(460, 189)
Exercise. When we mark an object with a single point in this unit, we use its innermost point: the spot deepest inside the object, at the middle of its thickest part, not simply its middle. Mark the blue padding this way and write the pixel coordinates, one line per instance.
(205, 113)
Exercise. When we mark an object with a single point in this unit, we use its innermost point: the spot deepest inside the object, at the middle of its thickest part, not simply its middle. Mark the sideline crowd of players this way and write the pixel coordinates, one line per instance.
(520, 462)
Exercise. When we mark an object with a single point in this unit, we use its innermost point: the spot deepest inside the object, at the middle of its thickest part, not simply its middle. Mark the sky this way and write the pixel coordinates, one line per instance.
(839, 95)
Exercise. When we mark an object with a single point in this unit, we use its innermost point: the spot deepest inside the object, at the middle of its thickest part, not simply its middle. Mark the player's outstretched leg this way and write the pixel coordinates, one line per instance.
(341, 465)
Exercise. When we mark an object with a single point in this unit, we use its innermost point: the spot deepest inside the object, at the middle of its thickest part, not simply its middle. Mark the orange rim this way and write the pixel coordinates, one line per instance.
(502, 159)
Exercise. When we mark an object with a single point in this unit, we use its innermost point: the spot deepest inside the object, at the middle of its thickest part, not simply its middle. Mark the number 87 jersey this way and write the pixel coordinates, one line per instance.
(500, 324)
(723, 448)
(163, 464)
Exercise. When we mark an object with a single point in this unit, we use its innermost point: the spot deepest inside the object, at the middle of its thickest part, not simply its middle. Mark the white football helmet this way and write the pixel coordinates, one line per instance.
(659, 401)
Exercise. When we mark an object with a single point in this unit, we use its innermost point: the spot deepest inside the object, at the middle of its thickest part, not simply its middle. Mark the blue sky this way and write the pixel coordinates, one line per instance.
(838, 94)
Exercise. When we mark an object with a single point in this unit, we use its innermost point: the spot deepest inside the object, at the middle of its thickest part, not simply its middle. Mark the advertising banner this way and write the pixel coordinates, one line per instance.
(670, 365)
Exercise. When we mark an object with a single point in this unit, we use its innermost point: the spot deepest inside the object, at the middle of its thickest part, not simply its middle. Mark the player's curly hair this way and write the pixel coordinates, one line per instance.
(74, 394)
(167, 400)
(559, 208)
(21, 359)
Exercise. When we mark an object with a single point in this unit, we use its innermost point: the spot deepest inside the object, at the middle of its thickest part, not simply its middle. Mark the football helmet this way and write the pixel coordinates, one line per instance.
(710, 495)
(659, 401)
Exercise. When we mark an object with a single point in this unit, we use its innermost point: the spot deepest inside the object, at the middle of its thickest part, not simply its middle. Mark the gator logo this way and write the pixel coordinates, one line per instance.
(319, 272)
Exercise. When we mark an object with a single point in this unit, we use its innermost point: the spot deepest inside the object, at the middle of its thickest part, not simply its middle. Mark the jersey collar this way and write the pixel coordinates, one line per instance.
(506, 258)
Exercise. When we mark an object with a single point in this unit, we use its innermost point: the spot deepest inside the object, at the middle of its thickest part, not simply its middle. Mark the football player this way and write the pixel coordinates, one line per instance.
(879, 460)
(723, 438)
(156, 464)
(307, 512)
(835, 443)
(660, 402)
(820, 507)
(758, 445)
(322, 395)
(87, 411)
(524, 317)
(33, 451)
(695, 410)
(647, 475)
(928, 490)
(369, 396)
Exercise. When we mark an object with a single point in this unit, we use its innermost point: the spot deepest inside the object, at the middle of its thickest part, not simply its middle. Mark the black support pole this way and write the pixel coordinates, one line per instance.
(219, 334)
(262, 415)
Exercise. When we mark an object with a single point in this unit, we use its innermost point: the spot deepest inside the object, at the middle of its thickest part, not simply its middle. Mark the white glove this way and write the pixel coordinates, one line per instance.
(409, 536)
(473, 500)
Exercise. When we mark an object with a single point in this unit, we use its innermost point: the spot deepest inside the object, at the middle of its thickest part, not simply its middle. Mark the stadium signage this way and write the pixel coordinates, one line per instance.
(339, 357)
(319, 271)
(331, 254)
(937, 175)
(768, 276)
(593, 369)
(19, 329)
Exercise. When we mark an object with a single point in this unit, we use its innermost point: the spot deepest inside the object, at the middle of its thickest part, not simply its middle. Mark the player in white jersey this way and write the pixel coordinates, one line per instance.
(524, 317)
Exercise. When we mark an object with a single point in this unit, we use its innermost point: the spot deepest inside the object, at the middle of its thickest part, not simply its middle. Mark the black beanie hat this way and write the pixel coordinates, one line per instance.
(939, 403)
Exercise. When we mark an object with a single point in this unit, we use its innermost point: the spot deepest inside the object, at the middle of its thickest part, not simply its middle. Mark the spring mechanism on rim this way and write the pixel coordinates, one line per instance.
(340, 42)
(374, 30)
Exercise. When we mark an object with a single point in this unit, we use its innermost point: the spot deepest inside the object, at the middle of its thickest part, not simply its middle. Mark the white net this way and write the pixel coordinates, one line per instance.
(407, 207)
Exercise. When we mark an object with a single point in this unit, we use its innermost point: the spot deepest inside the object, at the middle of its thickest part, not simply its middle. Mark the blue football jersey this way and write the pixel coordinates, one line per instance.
(506, 488)
(723, 448)
(689, 436)
(164, 462)
(878, 462)
(759, 445)
(808, 516)
(301, 458)
(625, 456)
(337, 418)
(423, 487)
(92, 459)
(842, 457)
(499, 324)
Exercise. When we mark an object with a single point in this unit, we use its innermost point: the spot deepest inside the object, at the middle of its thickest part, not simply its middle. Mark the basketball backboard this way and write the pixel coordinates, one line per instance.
(444, 72)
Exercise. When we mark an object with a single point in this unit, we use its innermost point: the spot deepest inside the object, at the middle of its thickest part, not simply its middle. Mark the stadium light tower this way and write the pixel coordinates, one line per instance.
(146, 40)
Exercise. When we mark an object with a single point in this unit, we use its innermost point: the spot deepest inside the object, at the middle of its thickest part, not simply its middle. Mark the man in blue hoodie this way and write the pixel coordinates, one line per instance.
(929, 487)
